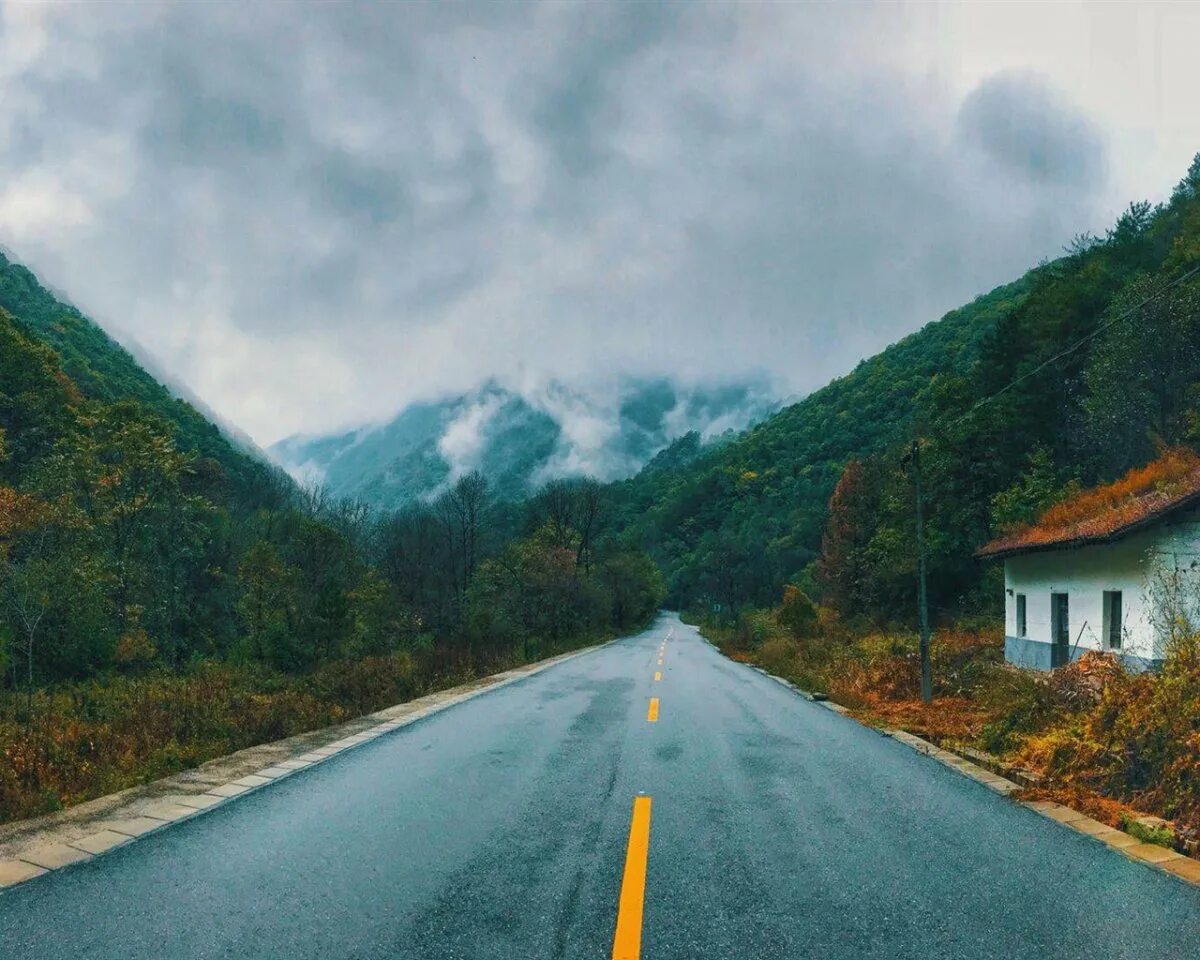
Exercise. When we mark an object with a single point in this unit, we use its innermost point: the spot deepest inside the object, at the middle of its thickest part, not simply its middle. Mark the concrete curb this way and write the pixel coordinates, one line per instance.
(1149, 855)
(63, 840)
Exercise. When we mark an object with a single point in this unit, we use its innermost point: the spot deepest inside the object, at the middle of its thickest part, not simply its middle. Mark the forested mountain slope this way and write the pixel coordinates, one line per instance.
(735, 525)
(104, 370)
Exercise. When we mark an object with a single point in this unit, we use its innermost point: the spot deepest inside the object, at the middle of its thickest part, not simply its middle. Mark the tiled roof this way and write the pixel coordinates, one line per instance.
(1108, 513)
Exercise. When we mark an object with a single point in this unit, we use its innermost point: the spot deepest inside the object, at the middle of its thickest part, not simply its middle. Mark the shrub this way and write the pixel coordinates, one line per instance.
(797, 612)
(752, 630)
(778, 656)
(90, 738)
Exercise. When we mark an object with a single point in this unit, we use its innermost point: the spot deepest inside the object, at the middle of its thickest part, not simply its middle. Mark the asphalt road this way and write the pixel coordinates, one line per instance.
(499, 829)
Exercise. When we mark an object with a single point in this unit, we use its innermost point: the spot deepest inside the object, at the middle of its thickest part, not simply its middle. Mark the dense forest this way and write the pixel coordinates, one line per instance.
(141, 551)
(1084, 375)
(818, 495)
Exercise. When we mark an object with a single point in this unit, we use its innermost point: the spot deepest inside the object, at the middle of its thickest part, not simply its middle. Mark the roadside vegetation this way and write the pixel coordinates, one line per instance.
(1112, 743)
(78, 740)
(160, 606)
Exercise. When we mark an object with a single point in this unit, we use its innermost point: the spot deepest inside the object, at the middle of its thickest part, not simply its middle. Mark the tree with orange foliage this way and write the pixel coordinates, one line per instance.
(842, 567)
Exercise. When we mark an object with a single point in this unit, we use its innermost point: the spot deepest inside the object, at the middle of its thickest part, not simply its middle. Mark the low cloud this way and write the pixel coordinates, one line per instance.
(465, 439)
(1032, 134)
(314, 219)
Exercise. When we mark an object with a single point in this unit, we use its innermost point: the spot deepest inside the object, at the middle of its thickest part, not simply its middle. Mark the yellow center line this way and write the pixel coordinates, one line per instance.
(657, 674)
(627, 941)
(652, 712)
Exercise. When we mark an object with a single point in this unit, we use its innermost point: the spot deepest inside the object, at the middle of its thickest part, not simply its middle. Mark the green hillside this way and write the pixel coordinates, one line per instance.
(734, 525)
(104, 371)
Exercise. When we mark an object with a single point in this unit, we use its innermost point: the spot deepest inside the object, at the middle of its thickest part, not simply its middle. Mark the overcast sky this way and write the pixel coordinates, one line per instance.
(311, 215)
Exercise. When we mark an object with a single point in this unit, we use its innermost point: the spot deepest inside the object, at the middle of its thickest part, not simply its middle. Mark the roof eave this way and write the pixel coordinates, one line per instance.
(1074, 543)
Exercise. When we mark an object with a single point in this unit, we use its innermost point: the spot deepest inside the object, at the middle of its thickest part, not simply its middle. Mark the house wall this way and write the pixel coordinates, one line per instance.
(1084, 574)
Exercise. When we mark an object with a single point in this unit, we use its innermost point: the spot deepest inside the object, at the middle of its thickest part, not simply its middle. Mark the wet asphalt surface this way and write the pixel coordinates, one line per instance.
(497, 829)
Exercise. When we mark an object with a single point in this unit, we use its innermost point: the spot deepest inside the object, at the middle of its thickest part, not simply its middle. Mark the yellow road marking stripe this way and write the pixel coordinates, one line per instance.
(627, 941)
(652, 713)
(657, 674)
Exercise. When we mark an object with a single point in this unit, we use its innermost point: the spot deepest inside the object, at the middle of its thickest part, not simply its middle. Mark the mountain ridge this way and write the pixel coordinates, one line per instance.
(517, 439)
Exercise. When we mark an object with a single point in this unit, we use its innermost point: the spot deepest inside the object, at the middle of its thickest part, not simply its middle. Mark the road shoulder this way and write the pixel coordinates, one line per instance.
(57, 841)
(1150, 855)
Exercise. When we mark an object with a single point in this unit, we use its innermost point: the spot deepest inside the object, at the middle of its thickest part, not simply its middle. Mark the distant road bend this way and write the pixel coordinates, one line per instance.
(614, 806)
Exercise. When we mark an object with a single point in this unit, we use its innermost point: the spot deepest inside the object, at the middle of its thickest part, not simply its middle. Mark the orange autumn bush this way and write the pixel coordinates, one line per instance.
(1138, 743)
(877, 675)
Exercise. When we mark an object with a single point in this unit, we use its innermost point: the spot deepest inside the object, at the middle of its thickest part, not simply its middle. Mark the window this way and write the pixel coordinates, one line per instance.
(1113, 625)
(1021, 632)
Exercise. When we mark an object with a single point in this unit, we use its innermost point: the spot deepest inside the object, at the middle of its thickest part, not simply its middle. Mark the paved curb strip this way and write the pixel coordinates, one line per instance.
(1148, 854)
(45, 850)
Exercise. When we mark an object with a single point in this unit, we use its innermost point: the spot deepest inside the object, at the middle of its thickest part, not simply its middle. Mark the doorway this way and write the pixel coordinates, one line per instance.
(1060, 630)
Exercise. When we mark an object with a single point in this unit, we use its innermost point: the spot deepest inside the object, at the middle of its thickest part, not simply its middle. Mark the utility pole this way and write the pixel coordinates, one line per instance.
(922, 599)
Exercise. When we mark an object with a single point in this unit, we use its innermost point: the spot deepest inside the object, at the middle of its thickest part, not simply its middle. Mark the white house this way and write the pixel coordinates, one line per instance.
(1102, 571)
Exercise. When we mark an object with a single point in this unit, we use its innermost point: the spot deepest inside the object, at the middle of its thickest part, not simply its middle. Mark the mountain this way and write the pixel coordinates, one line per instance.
(519, 440)
(1083, 368)
(739, 519)
(103, 370)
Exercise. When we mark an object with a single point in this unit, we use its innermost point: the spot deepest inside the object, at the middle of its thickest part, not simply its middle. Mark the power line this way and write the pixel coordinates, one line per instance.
(1079, 343)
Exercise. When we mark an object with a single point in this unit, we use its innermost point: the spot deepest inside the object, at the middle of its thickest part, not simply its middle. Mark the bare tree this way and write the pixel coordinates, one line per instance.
(571, 510)
(410, 547)
(557, 502)
(351, 517)
(1174, 609)
(462, 510)
(590, 506)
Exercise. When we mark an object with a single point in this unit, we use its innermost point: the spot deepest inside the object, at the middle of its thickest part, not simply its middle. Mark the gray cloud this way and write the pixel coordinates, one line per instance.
(1032, 133)
(312, 217)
